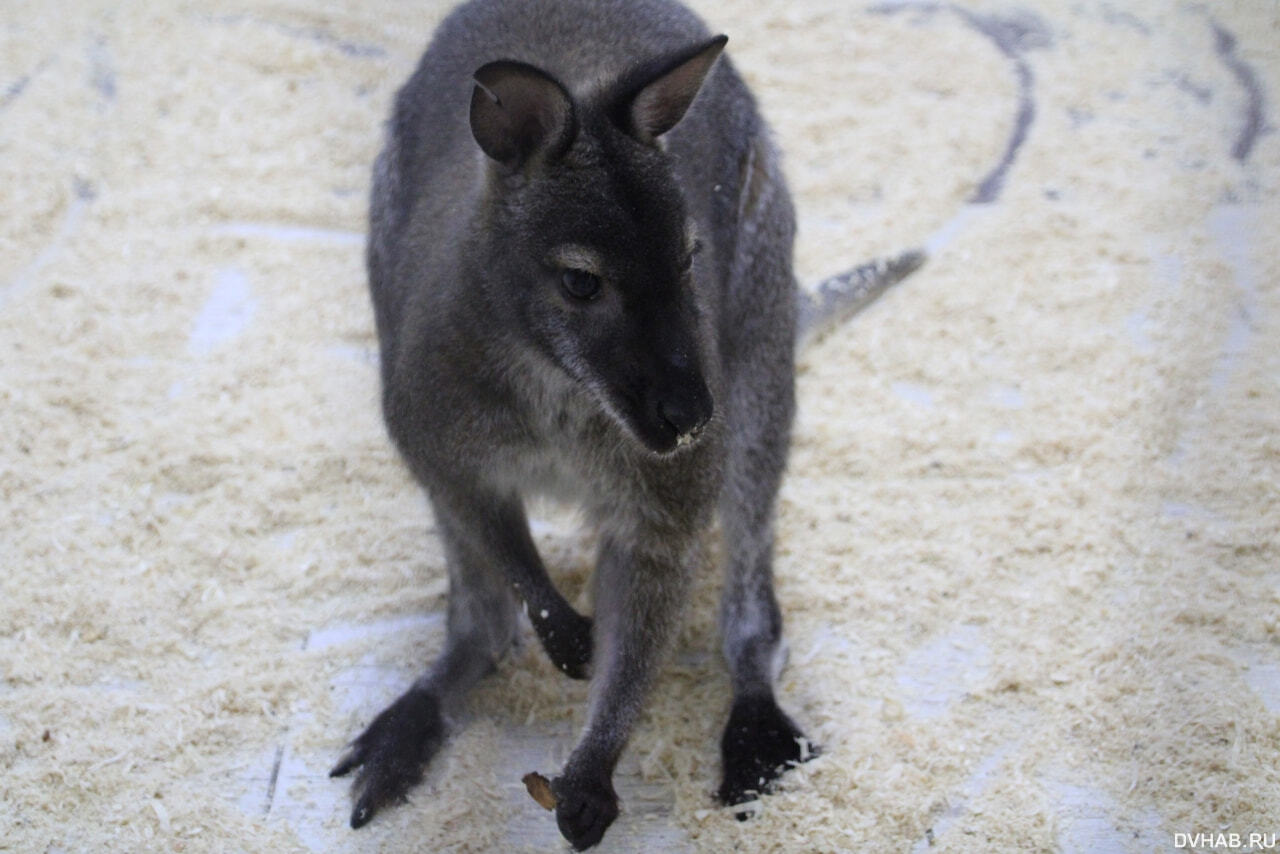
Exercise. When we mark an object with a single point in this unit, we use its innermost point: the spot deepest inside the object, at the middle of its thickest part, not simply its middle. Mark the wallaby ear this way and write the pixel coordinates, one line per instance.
(518, 111)
(666, 89)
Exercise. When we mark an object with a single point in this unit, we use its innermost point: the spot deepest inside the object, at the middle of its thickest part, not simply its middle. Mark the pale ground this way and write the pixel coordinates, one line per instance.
(1028, 543)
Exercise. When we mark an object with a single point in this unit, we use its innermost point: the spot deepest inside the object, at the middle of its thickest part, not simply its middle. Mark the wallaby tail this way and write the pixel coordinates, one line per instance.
(842, 296)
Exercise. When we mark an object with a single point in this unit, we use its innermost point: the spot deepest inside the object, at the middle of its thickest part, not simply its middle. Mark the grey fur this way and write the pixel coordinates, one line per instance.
(656, 401)
(840, 297)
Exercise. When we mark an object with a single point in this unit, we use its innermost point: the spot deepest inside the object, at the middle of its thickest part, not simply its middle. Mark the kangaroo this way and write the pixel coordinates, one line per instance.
(580, 261)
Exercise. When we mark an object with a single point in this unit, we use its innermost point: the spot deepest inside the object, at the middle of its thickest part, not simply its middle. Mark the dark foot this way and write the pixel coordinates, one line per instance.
(584, 810)
(759, 744)
(566, 636)
(392, 753)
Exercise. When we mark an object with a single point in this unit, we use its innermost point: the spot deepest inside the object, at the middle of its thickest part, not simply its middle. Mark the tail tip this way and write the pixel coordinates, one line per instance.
(908, 262)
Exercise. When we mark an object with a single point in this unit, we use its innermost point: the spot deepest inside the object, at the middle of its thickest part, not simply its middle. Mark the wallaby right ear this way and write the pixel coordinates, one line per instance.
(667, 88)
(518, 111)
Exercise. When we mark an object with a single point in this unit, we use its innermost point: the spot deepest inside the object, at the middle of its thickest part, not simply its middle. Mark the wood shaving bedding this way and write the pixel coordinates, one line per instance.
(1028, 541)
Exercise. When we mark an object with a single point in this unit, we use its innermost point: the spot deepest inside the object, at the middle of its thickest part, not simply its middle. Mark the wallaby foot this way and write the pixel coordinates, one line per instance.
(759, 744)
(566, 637)
(392, 753)
(585, 807)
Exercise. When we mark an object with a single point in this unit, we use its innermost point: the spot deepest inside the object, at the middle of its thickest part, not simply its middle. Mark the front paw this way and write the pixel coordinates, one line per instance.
(566, 637)
(759, 744)
(584, 809)
(392, 753)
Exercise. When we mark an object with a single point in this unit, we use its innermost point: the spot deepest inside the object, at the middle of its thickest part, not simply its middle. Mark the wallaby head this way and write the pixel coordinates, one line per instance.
(589, 244)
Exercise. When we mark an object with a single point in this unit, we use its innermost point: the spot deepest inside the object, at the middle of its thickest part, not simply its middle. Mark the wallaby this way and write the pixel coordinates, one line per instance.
(580, 265)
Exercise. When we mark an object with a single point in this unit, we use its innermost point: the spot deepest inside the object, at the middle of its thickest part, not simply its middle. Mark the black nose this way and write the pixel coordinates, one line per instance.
(688, 413)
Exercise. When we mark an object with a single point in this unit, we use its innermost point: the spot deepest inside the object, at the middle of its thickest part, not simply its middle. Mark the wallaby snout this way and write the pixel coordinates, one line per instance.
(683, 409)
(671, 411)
(670, 400)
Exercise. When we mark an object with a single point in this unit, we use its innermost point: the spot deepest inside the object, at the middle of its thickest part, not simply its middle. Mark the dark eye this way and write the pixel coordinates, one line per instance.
(580, 284)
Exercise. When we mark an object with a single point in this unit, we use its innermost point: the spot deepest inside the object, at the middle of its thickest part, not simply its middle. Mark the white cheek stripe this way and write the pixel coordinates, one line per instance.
(572, 256)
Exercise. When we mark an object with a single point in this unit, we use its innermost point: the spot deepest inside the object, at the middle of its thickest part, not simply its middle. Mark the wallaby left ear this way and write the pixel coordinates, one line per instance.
(665, 89)
(518, 111)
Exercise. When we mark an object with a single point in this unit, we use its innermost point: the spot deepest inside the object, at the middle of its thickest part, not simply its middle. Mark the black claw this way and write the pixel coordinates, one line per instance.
(760, 743)
(392, 753)
(345, 764)
(360, 816)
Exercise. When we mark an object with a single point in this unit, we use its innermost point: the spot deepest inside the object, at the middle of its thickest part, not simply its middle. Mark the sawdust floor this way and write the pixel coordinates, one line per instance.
(1028, 542)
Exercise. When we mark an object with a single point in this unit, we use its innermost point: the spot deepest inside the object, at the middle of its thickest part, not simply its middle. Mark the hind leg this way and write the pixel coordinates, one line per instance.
(760, 741)
(393, 752)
